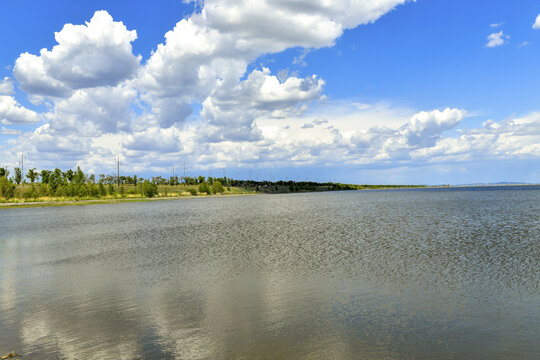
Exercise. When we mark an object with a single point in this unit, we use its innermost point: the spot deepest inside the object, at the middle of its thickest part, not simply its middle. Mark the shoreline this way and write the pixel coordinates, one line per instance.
(85, 202)
(32, 204)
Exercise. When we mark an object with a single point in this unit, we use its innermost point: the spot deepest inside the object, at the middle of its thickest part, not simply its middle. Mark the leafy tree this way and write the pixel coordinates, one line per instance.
(79, 177)
(110, 189)
(56, 179)
(45, 176)
(4, 172)
(217, 187)
(69, 175)
(32, 175)
(18, 175)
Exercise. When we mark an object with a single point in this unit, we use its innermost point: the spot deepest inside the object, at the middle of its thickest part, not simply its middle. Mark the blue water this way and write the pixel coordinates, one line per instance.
(450, 273)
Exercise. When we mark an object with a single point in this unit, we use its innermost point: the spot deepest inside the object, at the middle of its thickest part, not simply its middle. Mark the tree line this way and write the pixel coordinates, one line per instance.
(75, 183)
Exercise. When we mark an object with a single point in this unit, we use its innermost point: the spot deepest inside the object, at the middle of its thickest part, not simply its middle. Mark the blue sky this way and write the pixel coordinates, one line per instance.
(386, 91)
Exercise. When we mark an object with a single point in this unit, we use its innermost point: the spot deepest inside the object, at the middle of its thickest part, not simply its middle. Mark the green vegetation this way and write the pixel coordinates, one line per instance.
(74, 185)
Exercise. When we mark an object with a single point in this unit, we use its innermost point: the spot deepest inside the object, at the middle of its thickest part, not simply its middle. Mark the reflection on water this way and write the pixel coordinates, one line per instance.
(409, 274)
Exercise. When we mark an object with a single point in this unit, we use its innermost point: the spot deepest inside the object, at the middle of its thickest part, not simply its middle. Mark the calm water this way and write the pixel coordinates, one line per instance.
(408, 274)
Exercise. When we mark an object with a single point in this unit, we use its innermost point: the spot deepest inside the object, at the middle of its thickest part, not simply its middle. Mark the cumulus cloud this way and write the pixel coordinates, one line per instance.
(145, 141)
(102, 101)
(96, 54)
(11, 112)
(6, 86)
(497, 39)
(425, 128)
(210, 50)
(7, 131)
(536, 24)
(93, 111)
(231, 111)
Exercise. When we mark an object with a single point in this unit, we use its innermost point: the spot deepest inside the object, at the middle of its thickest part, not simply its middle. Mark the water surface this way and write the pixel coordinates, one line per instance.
(403, 274)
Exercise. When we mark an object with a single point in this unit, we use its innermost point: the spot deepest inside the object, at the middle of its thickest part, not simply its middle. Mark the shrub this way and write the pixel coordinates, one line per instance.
(217, 187)
(30, 193)
(204, 188)
(192, 191)
(149, 189)
(7, 189)
(102, 190)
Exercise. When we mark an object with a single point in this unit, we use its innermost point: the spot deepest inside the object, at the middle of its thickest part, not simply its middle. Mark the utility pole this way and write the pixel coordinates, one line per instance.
(118, 170)
(184, 173)
(22, 167)
(249, 174)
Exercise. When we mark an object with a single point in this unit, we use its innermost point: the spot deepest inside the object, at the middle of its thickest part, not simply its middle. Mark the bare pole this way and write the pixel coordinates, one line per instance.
(118, 170)
(22, 167)
(184, 173)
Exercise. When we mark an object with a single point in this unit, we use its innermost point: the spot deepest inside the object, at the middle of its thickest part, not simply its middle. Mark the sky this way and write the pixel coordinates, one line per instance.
(356, 91)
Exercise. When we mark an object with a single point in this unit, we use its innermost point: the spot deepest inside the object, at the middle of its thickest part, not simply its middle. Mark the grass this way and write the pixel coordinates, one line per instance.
(165, 192)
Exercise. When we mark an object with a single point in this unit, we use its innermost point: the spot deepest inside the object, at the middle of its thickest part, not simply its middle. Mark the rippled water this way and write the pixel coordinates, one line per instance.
(407, 274)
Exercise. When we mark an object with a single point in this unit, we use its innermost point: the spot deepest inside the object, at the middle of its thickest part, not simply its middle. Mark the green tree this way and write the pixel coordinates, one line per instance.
(79, 177)
(69, 175)
(55, 179)
(45, 176)
(217, 187)
(32, 175)
(18, 175)
(4, 172)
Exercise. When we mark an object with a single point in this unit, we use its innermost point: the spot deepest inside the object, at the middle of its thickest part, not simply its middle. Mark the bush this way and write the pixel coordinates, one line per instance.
(7, 189)
(30, 193)
(204, 188)
(149, 189)
(102, 190)
(217, 187)
(110, 190)
(192, 191)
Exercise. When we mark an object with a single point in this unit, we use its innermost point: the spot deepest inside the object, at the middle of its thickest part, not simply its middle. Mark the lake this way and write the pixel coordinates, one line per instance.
(450, 273)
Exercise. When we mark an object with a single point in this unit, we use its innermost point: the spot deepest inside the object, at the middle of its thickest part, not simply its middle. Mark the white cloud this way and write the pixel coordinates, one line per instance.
(6, 86)
(145, 141)
(93, 111)
(105, 103)
(496, 25)
(536, 24)
(211, 49)
(96, 54)
(231, 111)
(7, 131)
(425, 128)
(497, 39)
(11, 112)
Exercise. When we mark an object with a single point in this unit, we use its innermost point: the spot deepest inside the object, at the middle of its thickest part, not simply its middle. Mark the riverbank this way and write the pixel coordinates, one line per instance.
(80, 202)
